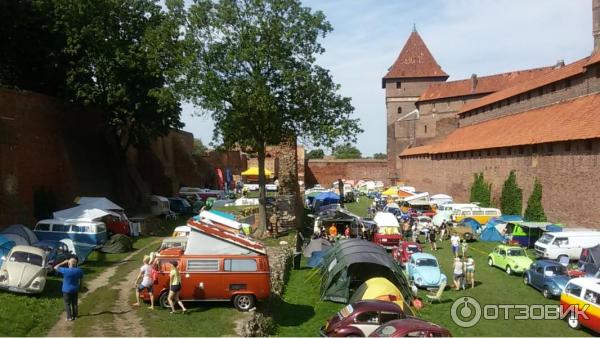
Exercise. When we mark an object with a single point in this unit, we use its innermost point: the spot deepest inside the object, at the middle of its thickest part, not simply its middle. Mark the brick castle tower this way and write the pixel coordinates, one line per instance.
(412, 72)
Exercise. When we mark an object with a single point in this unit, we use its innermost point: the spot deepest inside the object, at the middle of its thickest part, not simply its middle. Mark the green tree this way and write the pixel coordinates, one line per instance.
(346, 151)
(535, 211)
(315, 154)
(199, 148)
(380, 156)
(256, 75)
(126, 58)
(481, 191)
(511, 200)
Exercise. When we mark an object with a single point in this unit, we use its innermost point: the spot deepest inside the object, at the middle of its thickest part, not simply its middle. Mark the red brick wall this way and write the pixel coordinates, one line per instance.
(325, 172)
(570, 179)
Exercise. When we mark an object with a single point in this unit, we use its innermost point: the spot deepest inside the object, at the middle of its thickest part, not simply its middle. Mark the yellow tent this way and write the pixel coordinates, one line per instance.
(391, 191)
(378, 288)
(253, 171)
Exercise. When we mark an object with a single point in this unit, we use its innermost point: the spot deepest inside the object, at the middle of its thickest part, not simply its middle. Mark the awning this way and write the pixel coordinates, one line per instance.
(253, 171)
(82, 213)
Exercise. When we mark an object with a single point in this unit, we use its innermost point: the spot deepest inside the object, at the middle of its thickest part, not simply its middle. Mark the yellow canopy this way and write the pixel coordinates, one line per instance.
(253, 171)
(391, 191)
(382, 289)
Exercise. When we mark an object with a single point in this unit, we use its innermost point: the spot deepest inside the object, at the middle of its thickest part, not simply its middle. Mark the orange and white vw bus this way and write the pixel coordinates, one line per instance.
(583, 294)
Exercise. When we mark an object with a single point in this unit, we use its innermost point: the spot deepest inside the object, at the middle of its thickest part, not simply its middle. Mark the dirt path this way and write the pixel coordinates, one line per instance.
(129, 324)
(63, 328)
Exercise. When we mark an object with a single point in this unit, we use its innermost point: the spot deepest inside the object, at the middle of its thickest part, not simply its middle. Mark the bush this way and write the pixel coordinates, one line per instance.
(535, 211)
(511, 200)
(481, 191)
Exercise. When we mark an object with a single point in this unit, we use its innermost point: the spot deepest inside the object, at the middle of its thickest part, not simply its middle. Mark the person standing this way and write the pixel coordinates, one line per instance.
(333, 232)
(147, 282)
(470, 267)
(464, 246)
(432, 239)
(72, 277)
(442, 230)
(175, 287)
(455, 240)
(341, 191)
(414, 232)
(347, 232)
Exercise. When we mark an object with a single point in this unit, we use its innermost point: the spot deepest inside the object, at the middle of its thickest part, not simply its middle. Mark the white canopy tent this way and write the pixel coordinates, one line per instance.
(82, 213)
(98, 202)
(386, 219)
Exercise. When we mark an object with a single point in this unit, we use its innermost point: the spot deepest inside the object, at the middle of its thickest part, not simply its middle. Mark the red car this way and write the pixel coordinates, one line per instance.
(360, 319)
(403, 252)
(410, 327)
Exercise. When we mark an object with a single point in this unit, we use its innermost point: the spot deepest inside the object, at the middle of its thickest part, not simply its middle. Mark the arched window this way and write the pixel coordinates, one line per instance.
(399, 110)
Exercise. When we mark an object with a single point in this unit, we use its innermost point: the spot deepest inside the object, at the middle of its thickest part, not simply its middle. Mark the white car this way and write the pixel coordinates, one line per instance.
(271, 187)
(23, 270)
(251, 186)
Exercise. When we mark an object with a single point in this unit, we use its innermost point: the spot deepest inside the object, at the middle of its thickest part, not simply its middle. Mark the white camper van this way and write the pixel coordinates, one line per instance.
(553, 245)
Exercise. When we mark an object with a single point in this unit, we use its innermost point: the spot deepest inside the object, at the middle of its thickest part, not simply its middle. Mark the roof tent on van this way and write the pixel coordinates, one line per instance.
(209, 240)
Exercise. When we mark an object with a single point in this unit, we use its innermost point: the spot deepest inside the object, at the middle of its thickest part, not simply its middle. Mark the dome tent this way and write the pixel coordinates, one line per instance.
(20, 234)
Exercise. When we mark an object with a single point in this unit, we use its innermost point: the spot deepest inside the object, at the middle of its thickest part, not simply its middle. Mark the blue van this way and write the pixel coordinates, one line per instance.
(81, 232)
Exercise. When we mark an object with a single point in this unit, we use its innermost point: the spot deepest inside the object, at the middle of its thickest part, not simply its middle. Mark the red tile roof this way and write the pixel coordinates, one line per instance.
(415, 60)
(552, 76)
(421, 150)
(575, 119)
(484, 84)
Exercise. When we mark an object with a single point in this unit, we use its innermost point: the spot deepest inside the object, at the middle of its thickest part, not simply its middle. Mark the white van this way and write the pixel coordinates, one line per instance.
(553, 245)
(159, 205)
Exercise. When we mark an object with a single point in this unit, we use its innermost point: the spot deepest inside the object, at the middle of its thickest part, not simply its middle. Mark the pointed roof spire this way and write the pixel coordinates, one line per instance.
(414, 27)
(415, 61)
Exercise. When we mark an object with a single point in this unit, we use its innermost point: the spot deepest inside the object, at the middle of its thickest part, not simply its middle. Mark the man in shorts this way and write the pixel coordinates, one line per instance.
(147, 282)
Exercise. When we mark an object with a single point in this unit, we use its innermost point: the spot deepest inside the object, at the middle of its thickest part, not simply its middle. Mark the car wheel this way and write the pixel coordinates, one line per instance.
(243, 302)
(573, 321)
(546, 293)
(468, 236)
(508, 270)
(490, 262)
(163, 300)
(525, 279)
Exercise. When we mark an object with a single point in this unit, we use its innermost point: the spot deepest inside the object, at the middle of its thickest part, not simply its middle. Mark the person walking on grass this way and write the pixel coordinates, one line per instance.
(175, 288)
(432, 239)
(470, 267)
(147, 282)
(455, 240)
(442, 230)
(457, 273)
(72, 276)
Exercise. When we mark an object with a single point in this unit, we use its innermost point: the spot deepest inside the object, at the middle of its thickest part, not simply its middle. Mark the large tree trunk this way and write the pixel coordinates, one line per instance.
(262, 192)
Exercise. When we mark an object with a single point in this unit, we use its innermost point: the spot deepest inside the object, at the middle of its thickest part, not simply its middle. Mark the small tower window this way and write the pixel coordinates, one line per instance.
(398, 84)
(425, 129)
(399, 110)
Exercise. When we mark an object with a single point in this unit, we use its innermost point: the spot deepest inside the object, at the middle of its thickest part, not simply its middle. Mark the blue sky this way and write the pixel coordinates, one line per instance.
(465, 36)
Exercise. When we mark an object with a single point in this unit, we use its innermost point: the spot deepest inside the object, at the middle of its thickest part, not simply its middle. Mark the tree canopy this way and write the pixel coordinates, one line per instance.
(346, 151)
(535, 211)
(255, 73)
(315, 154)
(380, 156)
(511, 200)
(127, 58)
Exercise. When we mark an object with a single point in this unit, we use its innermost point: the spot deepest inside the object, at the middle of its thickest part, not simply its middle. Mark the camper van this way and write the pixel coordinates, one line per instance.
(215, 265)
(553, 245)
(159, 205)
(445, 211)
(481, 215)
(582, 294)
(90, 233)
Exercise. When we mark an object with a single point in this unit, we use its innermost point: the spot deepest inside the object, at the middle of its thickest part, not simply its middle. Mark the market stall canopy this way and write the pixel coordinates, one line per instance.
(82, 213)
(253, 171)
(391, 191)
(98, 202)
(327, 197)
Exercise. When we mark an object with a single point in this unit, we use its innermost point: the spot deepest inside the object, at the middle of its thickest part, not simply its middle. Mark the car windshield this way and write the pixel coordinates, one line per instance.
(412, 249)
(546, 239)
(26, 257)
(516, 252)
(557, 270)
(427, 262)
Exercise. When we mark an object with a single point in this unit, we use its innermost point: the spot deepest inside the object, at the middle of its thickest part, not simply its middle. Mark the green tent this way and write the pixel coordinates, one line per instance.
(350, 263)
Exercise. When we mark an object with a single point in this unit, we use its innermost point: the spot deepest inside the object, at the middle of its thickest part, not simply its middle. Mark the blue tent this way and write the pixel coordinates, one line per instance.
(468, 221)
(490, 233)
(510, 218)
(316, 259)
(5, 246)
(326, 198)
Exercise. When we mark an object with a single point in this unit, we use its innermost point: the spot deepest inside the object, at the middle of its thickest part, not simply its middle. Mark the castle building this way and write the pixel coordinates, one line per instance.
(543, 123)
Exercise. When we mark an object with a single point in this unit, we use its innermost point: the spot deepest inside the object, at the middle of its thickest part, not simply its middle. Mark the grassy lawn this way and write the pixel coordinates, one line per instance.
(300, 311)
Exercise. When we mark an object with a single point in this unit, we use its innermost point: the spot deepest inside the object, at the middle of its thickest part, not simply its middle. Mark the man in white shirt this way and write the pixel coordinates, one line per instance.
(455, 240)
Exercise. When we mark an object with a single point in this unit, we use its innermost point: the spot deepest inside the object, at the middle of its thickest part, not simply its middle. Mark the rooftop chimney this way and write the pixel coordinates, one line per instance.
(559, 64)
(596, 23)
(473, 82)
